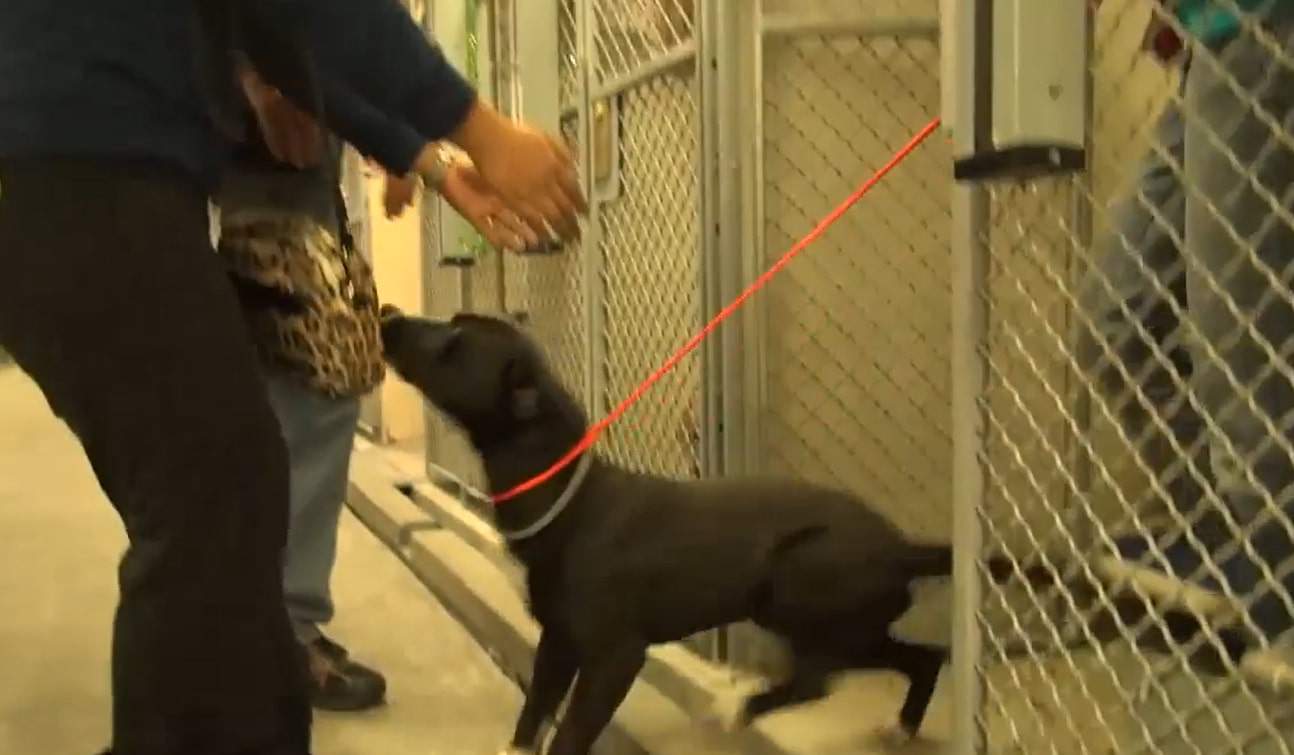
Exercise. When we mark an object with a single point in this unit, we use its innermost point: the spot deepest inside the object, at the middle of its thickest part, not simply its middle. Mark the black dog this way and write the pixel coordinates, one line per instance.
(619, 561)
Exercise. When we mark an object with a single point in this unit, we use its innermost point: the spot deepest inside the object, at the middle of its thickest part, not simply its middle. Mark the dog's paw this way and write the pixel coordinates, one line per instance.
(894, 737)
(728, 715)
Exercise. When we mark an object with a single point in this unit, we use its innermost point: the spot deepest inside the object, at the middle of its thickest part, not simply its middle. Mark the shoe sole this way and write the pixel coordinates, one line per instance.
(352, 708)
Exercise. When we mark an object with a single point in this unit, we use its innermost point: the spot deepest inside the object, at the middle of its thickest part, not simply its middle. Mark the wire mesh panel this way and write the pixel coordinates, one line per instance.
(633, 34)
(549, 290)
(648, 229)
(1138, 405)
(854, 335)
(644, 128)
(857, 330)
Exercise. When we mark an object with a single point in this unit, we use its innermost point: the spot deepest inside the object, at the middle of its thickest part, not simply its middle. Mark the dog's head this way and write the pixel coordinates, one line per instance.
(483, 372)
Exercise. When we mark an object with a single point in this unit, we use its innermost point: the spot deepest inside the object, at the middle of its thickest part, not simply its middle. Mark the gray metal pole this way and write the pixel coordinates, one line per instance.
(969, 379)
(592, 236)
(970, 314)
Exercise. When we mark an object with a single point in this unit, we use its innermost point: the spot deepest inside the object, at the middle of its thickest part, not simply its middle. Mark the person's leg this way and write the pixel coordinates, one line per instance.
(320, 434)
(1129, 343)
(117, 307)
(1240, 245)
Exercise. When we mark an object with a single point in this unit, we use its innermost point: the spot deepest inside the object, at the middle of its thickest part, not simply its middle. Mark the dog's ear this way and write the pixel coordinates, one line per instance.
(523, 393)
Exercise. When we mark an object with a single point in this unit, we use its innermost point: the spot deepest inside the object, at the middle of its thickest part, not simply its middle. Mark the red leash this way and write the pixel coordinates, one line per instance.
(595, 431)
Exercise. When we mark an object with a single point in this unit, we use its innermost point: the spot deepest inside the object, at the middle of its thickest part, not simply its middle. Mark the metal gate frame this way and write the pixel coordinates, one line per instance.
(725, 54)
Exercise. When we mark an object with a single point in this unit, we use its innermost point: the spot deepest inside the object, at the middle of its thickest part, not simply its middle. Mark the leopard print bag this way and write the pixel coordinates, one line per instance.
(309, 298)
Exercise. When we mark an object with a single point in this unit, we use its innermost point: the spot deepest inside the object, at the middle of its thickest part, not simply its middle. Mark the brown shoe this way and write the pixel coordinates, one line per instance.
(339, 684)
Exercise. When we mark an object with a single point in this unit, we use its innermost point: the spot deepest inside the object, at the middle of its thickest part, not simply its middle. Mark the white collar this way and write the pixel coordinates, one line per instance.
(550, 516)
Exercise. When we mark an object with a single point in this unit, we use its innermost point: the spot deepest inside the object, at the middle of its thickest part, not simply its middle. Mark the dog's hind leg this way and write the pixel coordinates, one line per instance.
(556, 663)
(808, 682)
(921, 665)
(604, 680)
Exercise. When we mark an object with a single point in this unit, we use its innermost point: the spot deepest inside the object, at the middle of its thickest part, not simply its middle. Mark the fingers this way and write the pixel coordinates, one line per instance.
(399, 193)
(273, 135)
(564, 201)
(290, 135)
(310, 138)
(568, 180)
(532, 217)
(305, 142)
(396, 199)
(537, 175)
(551, 215)
(559, 216)
(393, 205)
(500, 237)
(513, 234)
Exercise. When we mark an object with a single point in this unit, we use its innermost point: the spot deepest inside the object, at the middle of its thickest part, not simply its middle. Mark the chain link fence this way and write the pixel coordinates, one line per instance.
(857, 331)
(854, 336)
(549, 291)
(1136, 407)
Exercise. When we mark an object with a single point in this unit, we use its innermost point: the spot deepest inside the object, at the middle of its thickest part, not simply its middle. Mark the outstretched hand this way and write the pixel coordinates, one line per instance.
(471, 196)
(532, 172)
(398, 193)
(291, 135)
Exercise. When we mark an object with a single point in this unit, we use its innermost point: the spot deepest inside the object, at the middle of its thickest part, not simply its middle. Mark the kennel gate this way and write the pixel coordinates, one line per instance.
(922, 354)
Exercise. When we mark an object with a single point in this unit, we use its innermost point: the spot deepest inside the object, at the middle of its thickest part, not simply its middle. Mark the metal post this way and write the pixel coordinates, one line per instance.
(731, 256)
(726, 34)
(963, 102)
(592, 236)
(754, 324)
(430, 238)
(1082, 216)
(970, 375)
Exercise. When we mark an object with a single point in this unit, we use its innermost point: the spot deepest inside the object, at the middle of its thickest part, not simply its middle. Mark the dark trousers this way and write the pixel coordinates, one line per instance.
(112, 300)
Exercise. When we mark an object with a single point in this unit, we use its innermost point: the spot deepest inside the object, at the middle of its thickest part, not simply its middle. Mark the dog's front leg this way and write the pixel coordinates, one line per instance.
(605, 679)
(555, 665)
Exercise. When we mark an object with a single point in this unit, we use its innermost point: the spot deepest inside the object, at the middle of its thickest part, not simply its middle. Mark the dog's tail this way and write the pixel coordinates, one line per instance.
(937, 561)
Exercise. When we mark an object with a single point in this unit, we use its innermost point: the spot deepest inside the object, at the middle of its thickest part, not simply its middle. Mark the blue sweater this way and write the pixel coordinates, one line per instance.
(119, 79)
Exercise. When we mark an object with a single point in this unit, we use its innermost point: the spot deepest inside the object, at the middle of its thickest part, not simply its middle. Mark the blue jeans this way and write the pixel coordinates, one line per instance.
(320, 434)
(1214, 313)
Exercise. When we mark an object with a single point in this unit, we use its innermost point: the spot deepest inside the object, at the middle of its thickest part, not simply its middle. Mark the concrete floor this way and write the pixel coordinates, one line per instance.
(58, 589)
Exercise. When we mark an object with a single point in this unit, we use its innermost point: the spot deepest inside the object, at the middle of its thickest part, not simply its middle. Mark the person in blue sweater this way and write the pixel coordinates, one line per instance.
(112, 300)
(1189, 295)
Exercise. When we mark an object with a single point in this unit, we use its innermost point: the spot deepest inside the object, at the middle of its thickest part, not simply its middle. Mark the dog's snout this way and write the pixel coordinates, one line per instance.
(389, 312)
(416, 337)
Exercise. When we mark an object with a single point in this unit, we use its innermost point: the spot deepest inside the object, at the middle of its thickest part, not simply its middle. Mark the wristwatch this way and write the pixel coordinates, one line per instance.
(434, 176)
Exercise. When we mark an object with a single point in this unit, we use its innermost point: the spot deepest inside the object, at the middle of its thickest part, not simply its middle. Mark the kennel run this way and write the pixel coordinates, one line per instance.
(927, 352)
